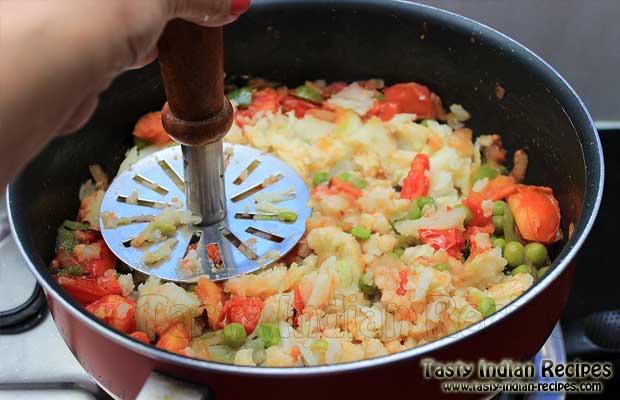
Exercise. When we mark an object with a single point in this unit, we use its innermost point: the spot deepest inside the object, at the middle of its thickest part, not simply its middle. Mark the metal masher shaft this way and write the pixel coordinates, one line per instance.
(204, 181)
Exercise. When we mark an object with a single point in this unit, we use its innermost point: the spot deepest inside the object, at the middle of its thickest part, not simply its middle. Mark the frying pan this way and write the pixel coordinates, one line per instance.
(291, 41)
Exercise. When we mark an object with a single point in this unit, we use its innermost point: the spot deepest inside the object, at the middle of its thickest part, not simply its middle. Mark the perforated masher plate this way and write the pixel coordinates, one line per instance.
(158, 180)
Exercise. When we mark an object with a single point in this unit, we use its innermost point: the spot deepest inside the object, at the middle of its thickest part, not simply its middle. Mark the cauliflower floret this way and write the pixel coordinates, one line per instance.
(89, 209)
(278, 308)
(126, 283)
(463, 314)
(353, 97)
(159, 306)
(190, 265)
(278, 357)
(510, 288)
(319, 290)
(483, 269)
(329, 241)
(441, 220)
(268, 282)
(379, 244)
(244, 357)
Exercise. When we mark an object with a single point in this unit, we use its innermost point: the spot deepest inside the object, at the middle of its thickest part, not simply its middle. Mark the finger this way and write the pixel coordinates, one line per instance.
(146, 59)
(209, 12)
(80, 115)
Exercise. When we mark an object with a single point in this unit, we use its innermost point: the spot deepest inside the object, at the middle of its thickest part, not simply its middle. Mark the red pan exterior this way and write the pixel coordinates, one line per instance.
(123, 371)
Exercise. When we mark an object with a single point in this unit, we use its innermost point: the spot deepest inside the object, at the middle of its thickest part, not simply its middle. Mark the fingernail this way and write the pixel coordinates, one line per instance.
(238, 7)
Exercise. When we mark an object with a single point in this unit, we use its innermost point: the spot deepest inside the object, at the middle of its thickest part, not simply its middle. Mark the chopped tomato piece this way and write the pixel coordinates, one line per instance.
(244, 310)
(334, 88)
(450, 240)
(106, 261)
(403, 282)
(213, 251)
(499, 187)
(150, 128)
(416, 183)
(345, 187)
(266, 99)
(385, 110)
(301, 107)
(411, 98)
(470, 234)
(474, 203)
(298, 302)
(295, 353)
(140, 336)
(175, 339)
(210, 296)
(116, 311)
(536, 213)
(87, 290)
(323, 189)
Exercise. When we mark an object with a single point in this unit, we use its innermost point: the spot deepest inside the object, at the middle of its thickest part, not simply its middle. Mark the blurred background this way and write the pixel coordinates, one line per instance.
(580, 38)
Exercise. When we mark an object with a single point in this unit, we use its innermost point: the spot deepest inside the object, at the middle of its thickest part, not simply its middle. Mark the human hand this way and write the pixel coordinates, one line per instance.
(58, 56)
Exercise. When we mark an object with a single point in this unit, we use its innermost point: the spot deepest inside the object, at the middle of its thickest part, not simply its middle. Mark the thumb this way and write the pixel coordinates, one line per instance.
(202, 12)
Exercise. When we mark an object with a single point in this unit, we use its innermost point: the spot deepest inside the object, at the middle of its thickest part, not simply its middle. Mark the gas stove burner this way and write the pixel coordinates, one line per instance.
(245, 240)
(22, 306)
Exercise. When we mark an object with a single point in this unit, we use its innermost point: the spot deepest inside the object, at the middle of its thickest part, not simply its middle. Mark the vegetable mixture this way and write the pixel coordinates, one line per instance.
(417, 231)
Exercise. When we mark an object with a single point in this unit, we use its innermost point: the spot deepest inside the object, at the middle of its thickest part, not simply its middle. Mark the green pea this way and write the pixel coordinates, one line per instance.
(361, 233)
(308, 93)
(366, 288)
(234, 334)
(397, 253)
(358, 182)
(484, 171)
(541, 271)
(442, 267)
(521, 268)
(498, 207)
(319, 178)
(499, 242)
(242, 96)
(287, 216)
(319, 346)
(269, 333)
(498, 221)
(468, 214)
(536, 253)
(345, 176)
(514, 253)
(414, 211)
(422, 201)
(486, 306)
